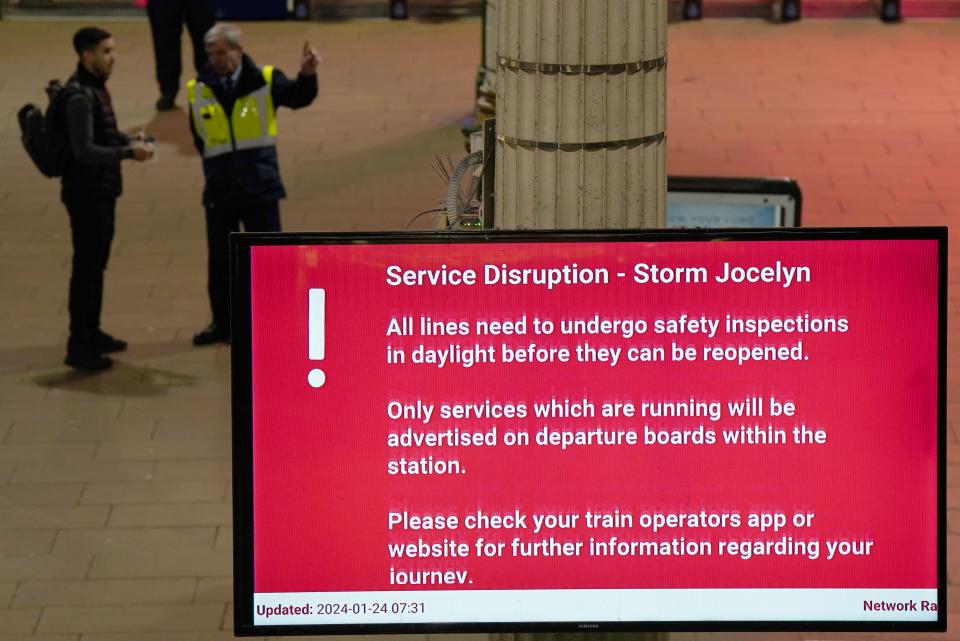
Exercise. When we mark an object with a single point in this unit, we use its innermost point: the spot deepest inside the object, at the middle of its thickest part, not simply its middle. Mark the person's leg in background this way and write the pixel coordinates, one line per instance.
(166, 24)
(222, 218)
(200, 16)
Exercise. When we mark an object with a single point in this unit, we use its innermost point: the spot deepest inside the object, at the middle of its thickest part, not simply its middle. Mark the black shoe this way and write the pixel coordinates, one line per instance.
(165, 102)
(212, 334)
(87, 360)
(107, 344)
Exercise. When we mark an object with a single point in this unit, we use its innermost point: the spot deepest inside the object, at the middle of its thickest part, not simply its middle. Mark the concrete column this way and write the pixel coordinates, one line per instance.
(581, 114)
(581, 118)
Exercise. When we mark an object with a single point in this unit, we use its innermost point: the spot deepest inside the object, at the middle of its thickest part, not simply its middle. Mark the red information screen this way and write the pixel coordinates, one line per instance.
(572, 431)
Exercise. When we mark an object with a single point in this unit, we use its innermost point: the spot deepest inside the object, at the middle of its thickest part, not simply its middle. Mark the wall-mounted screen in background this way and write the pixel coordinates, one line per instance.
(715, 202)
(590, 431)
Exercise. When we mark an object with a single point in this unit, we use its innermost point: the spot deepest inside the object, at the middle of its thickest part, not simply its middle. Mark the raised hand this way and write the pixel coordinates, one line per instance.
(309, 60)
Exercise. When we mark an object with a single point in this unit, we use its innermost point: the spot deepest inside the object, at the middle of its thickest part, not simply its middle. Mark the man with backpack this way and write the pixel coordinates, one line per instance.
(91, 184)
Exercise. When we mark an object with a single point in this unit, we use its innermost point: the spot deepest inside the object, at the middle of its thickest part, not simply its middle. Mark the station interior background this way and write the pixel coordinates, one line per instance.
(115, 515)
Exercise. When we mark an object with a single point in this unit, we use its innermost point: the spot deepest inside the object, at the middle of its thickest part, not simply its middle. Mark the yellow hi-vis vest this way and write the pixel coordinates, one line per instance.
(252, 124)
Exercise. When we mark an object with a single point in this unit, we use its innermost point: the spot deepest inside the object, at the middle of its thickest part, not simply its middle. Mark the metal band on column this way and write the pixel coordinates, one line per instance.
(581, 146)
(545, 67)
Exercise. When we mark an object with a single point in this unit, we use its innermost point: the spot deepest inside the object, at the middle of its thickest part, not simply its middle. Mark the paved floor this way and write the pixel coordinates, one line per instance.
(114, 489)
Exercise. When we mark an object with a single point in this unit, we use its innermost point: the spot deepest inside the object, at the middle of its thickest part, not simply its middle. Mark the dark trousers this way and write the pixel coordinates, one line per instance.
(91, 225)
(166, 23)
(223, 218)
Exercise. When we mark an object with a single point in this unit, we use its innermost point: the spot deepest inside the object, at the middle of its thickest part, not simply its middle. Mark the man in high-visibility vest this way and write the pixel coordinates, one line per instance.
(233, 117)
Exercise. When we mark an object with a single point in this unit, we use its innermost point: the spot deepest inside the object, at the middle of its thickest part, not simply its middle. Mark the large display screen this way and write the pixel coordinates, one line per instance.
(590, 431)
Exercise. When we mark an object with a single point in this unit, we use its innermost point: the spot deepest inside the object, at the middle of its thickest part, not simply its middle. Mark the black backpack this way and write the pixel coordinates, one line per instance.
(44, 135)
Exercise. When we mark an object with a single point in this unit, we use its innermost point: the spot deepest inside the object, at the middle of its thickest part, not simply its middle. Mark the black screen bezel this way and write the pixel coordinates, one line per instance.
(240, 246)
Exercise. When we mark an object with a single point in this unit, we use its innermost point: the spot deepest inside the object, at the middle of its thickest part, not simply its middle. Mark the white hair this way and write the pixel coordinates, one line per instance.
(223, 31)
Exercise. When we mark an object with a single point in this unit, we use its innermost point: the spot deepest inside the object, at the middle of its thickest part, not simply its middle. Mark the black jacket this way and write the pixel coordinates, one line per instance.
(97, 146)
(249, 172)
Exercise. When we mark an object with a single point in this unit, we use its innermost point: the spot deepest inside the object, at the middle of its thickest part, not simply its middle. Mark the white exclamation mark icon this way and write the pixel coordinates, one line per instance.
(315, 325)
